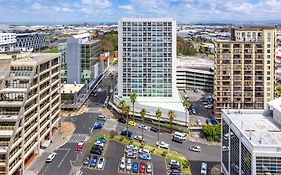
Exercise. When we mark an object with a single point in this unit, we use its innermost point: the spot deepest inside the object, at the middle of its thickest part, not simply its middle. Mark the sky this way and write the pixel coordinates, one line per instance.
(97, 11)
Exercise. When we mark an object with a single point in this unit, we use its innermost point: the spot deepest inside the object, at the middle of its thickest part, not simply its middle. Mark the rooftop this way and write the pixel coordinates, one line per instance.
(147, 19)
(255, 27)
(195, 62)
(71, 88)
(256, 125)
(81, 35)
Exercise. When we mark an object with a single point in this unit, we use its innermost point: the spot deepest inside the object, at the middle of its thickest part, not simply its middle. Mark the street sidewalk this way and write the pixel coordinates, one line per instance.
(38, 163)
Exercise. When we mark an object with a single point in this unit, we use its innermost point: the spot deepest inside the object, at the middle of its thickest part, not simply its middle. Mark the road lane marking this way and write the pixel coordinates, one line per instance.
(64, 158)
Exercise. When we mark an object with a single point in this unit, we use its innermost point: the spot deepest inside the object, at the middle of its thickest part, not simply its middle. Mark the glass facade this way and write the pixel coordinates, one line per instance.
(268, 165)
(225, 144)
(147, 59)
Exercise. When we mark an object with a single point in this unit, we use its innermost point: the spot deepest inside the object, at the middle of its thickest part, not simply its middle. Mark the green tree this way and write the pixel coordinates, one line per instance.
(133, 98)
(122, 106)
(127, 112)
(212, 132)
(142, 114)
(185, 47)
(107, 86)
(278, 91)
(158, 115)
(186, 104)
(171, 116)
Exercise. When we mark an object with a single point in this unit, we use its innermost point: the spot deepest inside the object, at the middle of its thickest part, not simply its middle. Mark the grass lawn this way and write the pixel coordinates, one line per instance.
(167, 154)
(54, 50)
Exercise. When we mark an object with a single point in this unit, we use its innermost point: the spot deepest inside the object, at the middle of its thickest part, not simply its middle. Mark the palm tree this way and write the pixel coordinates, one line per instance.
(133, 98)
(108, 86)
(142, 114)
(172, 116)
(122, 106)
(186, 106)
(158, 115)
(127, 112)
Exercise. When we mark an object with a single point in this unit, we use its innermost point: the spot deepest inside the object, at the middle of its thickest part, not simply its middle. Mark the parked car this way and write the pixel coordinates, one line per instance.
(176, 171)
(103, 140)
(149, 168)
(175, 167)
(138, 138)
(100, 163)
(99, 143)
(51, 157)
(135, 168)
(101, 118)
(97, 126)
(199, 122)
(129, 164)
(93, 162)
(174, 162)
(142, 167)
(195, 148)
(121, 120)
(162, 144)
(87, 160)
(144, 151)
(131, 155)
(79, 146)
(145, 156)
(126, 133)
(122, 163)
(142, 126)
(203, 169)
(153, 129)
(96, 149)
(132, 123)
(132, 147)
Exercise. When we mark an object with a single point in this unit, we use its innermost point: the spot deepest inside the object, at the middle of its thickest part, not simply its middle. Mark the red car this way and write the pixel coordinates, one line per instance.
(79, 146)
(142, 167)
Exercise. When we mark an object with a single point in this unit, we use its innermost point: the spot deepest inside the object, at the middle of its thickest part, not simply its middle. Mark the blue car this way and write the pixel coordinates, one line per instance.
(135, 167)
(126, 133)
(97, 126)
(103, 140)
(145, 156)
(93, 162)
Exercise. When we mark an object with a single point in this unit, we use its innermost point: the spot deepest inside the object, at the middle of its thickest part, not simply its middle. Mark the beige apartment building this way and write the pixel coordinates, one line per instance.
(245, 69)
(29, 107)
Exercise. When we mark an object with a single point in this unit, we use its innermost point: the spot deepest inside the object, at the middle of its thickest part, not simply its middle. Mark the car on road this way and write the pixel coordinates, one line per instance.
(93, 162)
(149, 168)
(162, 144)
(121, 120)
(142, 167)
(87, 160)
(122, 163)
(79, 146)
(153, 129)
(129, 164)
(145, 156)
(99, 89)
(103, 140)
(97, 126)
(142, 126)
(51, 157)
(96, 149)
(126, 133)
(135, 168)
(195, 148)
(132, 123)
(101, 118)
(138, 138)
(203, 169)
(100, 163)
(174, 162)
(178, 140)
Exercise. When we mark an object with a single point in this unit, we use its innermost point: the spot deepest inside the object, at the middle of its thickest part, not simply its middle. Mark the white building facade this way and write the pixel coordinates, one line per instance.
(147, 57)
(7, 42)
(30, 41)
(251, 141)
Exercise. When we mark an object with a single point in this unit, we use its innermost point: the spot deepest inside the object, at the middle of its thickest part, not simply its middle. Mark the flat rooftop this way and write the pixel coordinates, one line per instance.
(258, 127)
(195, 62)
(71, 88)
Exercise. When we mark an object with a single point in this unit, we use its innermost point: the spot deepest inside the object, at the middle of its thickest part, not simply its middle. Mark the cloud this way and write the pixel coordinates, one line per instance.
(126, 7)
(98, 3)
(36, 6)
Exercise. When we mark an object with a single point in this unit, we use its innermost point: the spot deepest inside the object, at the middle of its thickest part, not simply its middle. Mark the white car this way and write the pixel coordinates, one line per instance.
(122, 163)
(144, 151)
(138, 138)
(195, 148)
(99, 143)
(174, 162)
(142, 126)
(51, 157)
(149, 168)
(100, 163)
(129, 164)
(199, 122)
(203, 169)
(162, 144)
(131, 147)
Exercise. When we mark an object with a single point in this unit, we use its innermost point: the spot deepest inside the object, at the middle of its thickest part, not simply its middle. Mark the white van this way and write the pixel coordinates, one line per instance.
(180, 135)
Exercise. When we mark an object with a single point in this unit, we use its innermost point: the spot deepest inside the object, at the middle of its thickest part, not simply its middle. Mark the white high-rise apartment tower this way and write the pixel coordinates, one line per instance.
(147, 57)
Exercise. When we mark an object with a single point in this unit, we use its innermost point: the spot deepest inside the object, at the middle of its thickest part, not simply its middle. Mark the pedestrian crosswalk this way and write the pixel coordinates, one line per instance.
(93, 110)
(75, 138)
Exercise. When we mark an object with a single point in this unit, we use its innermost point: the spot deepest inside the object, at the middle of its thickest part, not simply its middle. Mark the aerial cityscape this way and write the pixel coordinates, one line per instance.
(167, 87)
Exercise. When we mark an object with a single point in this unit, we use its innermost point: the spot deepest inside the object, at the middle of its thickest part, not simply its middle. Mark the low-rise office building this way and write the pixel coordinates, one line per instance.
(197, 73)
(7, 42)
(251, 140)
(29, 107)
(30, 41)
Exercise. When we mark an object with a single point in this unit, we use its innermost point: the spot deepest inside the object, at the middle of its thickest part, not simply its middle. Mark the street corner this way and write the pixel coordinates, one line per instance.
(67, 129)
